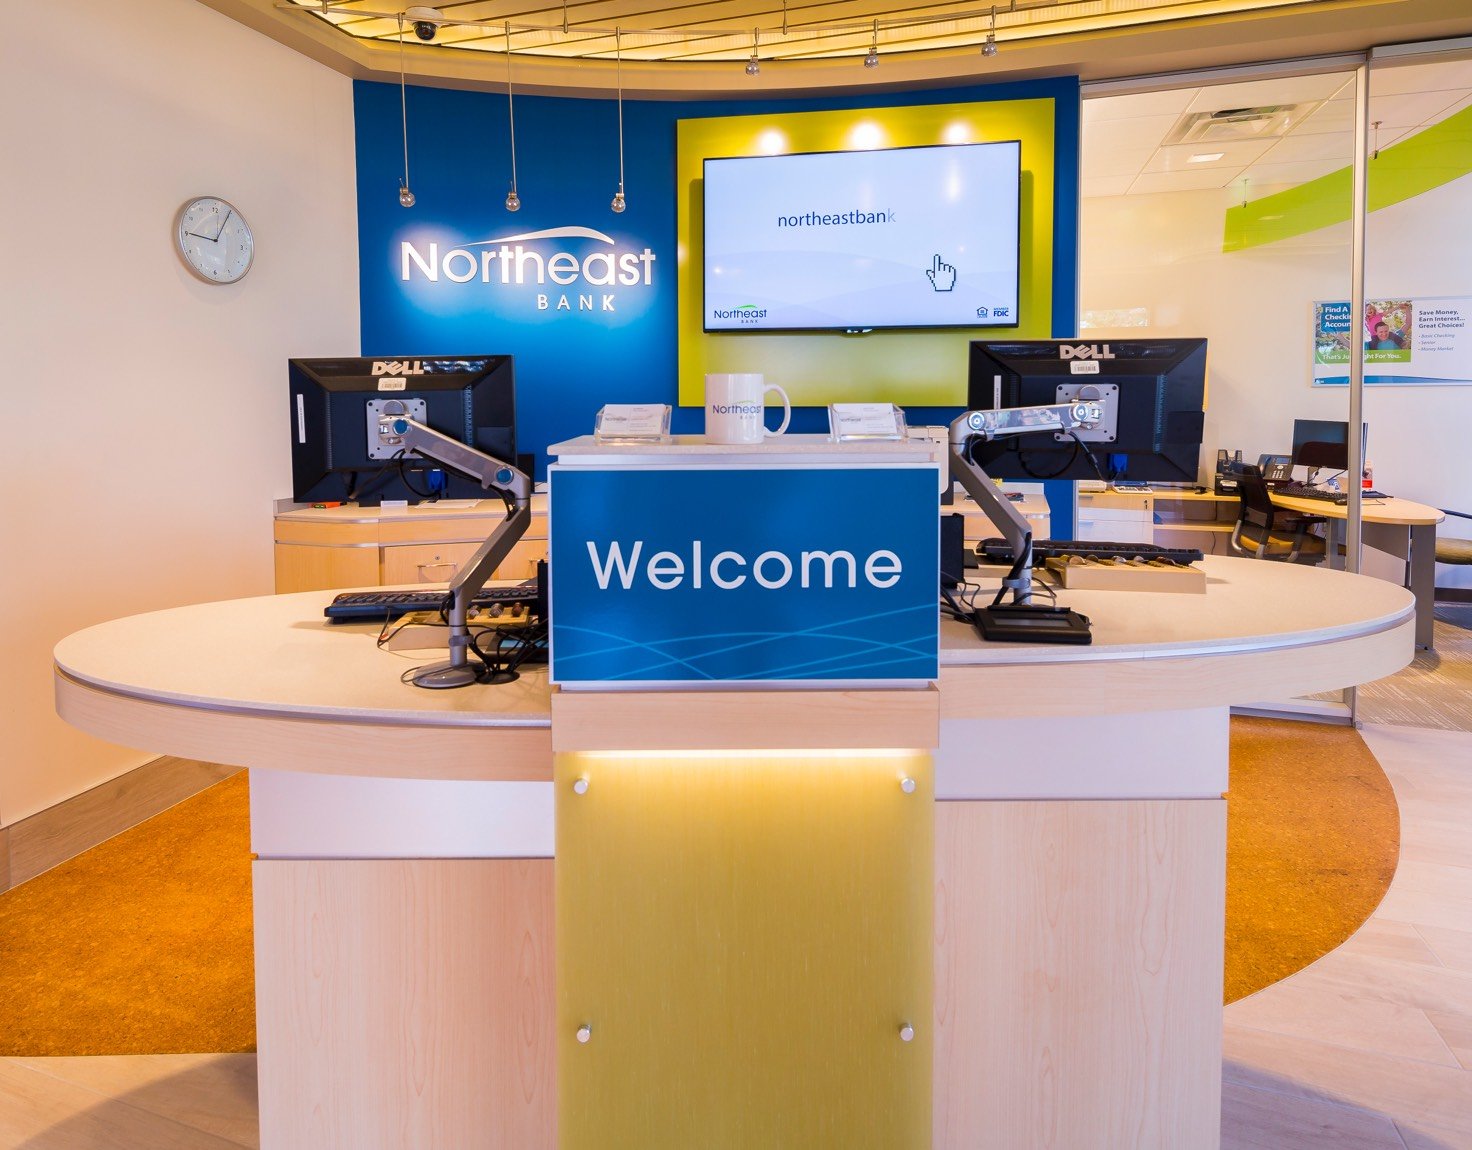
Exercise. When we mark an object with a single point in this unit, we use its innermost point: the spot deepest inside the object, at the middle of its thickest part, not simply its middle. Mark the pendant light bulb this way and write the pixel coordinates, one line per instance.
(872, 59)
(618, 203)
(754, 65)
(513, 201)
(989, 48)
(406, 197)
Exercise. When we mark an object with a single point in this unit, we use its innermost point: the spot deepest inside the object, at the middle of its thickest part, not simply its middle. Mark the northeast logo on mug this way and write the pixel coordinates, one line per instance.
(735, 408)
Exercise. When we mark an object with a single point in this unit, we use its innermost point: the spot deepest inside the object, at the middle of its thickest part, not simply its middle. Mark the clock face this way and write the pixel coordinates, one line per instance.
(214, 240)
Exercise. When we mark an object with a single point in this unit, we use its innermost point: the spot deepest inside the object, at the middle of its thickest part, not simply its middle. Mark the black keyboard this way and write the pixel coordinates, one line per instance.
(1000, 551)
(1296, 490)
(378, 606)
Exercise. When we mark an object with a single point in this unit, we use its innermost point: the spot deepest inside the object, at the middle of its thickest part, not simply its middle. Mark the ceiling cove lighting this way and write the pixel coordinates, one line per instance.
(513, 201)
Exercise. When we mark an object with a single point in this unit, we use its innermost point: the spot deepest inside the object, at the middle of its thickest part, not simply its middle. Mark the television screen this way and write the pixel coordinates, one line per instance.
(895, 237)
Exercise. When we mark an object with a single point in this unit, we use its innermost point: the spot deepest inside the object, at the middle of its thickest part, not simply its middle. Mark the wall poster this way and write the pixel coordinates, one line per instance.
(1404, 341)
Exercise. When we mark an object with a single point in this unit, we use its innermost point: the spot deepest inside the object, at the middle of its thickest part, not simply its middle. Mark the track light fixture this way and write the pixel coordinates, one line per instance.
(872, 59)
(989, 48)
(513, 201)
(754, 65)
(618, 204)
(406, 197)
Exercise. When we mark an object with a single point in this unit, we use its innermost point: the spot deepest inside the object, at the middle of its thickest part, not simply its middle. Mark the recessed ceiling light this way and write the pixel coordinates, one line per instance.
(1205, 157)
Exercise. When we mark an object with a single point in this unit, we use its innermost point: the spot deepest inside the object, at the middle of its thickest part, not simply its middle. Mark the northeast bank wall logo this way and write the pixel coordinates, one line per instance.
(534, 270)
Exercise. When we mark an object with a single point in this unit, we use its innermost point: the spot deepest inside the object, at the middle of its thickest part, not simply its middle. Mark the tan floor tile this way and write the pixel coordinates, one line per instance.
(1452, 947)
(1429, 1138)
(1304, 1008)
(1456, 1032)
(39, 1112)
(1261, 1120)
(211, 1092)
(1395, 941)
(1414, 1091)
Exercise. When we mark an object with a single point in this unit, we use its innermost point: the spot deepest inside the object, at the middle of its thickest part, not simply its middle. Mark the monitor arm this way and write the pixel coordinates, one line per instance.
(988, 425)
(514, 488)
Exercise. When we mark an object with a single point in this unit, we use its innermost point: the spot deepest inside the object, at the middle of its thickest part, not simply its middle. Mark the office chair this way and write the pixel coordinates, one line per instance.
(1454, 551)
(1265, 531)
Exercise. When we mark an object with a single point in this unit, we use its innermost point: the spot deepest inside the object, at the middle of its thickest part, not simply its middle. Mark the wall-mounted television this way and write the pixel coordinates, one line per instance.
(849, 241)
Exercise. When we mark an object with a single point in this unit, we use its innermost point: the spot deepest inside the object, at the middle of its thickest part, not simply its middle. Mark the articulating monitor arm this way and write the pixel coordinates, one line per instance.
(988, 425)
(514, 488)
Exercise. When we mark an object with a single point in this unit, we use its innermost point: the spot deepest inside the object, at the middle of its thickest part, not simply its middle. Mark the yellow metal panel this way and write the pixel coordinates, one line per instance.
(745, 935)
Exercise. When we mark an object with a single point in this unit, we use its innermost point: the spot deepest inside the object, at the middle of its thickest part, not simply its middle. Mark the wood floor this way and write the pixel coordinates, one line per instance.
(1370, 1048)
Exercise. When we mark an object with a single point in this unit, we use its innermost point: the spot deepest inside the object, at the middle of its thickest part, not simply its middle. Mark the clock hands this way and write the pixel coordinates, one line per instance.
(214, 239)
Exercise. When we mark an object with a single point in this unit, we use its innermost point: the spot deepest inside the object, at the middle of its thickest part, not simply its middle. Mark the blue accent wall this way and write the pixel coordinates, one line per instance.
(568, 363)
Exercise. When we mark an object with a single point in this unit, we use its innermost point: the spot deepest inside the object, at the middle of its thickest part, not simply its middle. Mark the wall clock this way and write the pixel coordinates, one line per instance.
(213, 239)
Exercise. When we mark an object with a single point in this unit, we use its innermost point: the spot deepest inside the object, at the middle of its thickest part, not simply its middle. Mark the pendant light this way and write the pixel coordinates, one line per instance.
(754, 65)
(990, 47)
(618, 204)
(872, 59)
(513, 201)
(406, 197)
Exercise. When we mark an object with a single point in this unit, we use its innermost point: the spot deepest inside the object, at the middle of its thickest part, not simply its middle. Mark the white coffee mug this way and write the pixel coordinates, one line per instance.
(735, 409)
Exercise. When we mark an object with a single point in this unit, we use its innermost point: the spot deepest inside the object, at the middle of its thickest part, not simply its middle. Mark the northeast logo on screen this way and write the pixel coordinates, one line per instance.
(746, 313)
(513, 264)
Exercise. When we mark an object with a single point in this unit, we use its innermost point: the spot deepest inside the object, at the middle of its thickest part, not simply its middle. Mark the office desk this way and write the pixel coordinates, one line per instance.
(403, 885)
(1398, 527)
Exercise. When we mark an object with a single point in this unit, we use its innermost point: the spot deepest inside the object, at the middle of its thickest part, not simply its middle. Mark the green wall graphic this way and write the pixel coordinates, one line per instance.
(1429, 159)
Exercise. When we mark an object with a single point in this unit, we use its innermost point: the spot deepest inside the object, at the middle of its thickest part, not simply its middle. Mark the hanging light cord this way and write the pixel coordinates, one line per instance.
(403, 101)
(618, 68)
(511, 107)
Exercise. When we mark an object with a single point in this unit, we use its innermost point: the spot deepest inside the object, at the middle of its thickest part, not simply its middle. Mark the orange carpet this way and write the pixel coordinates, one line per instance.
(143, 944)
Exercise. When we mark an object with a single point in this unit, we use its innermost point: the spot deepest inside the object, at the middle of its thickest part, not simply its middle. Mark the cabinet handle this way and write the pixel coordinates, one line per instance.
(436, 572)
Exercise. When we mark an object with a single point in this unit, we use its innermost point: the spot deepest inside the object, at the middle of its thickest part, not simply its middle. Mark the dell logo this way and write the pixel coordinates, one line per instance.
(398, 367)
(1084, 351)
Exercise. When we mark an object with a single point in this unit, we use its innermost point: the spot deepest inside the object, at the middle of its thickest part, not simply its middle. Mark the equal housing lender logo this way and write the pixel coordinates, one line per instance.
(571, 277)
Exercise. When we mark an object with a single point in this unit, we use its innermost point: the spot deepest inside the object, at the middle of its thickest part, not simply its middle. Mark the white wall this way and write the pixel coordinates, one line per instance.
(1163, 253)
(146, 411)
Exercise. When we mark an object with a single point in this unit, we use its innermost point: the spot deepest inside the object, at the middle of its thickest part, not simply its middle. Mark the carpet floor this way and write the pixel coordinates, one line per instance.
(143, 945)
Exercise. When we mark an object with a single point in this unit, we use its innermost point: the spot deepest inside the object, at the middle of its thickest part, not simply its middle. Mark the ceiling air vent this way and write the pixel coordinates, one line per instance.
(1231, 124)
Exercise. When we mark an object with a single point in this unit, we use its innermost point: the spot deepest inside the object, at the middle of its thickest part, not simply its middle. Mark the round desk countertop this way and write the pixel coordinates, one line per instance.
(266, 682)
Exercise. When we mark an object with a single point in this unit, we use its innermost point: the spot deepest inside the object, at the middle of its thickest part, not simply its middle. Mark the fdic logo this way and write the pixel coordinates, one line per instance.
(508, 262)
(1084, 351)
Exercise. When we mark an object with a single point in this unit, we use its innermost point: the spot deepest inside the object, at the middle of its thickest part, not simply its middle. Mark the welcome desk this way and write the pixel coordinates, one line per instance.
(1046, 971)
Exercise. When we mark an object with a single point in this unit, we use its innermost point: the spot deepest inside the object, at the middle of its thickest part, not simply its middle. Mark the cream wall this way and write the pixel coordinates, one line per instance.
(147, 419)
(1162, 253)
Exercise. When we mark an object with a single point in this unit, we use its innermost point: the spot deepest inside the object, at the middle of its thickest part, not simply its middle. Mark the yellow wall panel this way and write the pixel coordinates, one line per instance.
(744, 935)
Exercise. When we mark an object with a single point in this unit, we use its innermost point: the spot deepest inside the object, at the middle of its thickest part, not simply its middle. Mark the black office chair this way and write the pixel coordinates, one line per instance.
(1452, 550)
(1266, 531)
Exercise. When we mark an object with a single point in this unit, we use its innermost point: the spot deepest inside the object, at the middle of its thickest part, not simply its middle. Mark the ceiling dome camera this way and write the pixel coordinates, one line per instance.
(426, 21)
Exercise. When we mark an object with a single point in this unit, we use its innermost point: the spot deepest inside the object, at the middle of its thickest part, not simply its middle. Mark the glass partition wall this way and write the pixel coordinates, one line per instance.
(1225, 205)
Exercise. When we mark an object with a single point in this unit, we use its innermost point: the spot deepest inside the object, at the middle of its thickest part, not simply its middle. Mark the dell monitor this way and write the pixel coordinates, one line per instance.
(1153, 392)
(337, 454)
(1324, 443)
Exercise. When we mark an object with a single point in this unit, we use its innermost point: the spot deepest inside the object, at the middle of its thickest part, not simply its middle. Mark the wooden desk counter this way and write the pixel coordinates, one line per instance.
(403, 887)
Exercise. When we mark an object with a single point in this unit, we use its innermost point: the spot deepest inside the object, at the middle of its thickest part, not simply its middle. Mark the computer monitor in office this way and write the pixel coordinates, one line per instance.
(336, 404)
(1156, 388)
(1324, 443)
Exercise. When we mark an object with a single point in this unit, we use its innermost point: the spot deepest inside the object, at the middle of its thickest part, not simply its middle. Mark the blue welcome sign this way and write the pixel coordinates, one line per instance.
(710, 574)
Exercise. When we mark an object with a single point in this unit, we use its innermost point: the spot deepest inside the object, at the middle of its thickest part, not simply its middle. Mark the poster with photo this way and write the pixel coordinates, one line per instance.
(1404, 341)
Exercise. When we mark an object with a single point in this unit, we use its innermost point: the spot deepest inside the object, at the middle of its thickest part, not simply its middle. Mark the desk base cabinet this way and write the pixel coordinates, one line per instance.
(405, 1002)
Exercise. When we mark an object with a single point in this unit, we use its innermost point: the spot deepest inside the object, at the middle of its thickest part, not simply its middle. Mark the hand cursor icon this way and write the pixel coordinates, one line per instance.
(942, 275)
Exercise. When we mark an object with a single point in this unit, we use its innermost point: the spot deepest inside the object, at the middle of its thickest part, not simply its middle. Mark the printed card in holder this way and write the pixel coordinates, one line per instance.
(852, 422)
(632, 423)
